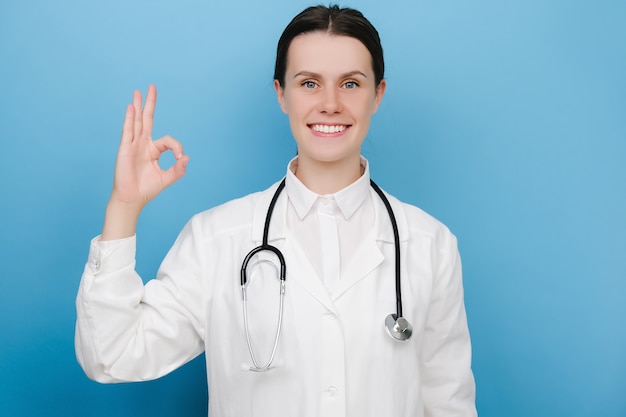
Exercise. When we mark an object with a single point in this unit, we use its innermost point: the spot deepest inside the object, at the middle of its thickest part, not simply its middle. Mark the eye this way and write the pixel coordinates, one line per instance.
(349, 85)
(309, 84)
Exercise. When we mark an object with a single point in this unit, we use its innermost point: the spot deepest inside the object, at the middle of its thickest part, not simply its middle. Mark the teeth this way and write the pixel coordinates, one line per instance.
(329, 129)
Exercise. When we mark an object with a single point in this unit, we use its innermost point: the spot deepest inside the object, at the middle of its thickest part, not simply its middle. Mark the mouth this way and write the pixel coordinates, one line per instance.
(328, 129)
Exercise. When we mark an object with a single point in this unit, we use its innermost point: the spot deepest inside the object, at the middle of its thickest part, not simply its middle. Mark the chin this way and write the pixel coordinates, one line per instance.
(328, 155)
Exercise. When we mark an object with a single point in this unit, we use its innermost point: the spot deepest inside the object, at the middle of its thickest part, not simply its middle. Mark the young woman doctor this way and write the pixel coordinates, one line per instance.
(317, 346)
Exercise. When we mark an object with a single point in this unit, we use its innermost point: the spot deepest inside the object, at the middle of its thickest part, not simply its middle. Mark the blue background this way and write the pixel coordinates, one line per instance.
(505, 119)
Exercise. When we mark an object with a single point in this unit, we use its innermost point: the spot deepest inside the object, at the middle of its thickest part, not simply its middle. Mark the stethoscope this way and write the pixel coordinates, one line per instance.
(397, 326)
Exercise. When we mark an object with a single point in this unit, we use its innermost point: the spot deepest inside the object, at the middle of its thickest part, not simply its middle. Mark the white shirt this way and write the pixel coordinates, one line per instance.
(310, 219)
(334, 357)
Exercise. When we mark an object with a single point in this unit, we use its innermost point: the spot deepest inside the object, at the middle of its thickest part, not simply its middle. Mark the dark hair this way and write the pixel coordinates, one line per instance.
(335, 21)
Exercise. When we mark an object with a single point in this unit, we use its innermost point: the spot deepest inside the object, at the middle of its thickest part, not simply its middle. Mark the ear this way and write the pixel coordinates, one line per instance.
(280, 94)
(380, 92)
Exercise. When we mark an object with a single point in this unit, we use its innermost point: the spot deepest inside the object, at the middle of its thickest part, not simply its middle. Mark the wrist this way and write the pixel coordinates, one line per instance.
(120, 220)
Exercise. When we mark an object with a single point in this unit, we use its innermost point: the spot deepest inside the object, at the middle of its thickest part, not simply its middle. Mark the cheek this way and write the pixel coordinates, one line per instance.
(374, 107)
(295, 106)
(362, 105)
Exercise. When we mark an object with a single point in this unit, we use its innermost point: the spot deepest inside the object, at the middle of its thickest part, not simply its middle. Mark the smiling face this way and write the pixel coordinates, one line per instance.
(329, 94)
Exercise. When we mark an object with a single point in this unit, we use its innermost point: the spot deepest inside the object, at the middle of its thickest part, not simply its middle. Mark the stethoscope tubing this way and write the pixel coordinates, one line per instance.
(268, 364)
(397, 326)
(265, 246)
(396, 239)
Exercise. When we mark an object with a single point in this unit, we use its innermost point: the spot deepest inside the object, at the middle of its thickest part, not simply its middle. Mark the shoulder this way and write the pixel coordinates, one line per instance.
(420, 224)
(419, 219)
(233, 215)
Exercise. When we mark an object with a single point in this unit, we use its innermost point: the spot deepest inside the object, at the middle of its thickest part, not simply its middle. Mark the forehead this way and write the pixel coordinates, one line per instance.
(324, 53)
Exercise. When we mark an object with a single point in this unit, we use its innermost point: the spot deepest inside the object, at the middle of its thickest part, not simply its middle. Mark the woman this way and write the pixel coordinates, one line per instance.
(336, 236)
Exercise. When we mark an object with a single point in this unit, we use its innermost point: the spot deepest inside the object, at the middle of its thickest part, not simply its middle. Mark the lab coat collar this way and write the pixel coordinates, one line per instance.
(384, 228)
(368, 258)
(370, 254)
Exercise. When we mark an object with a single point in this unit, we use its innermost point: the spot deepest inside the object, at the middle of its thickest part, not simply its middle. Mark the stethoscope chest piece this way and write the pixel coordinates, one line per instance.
(398, 328)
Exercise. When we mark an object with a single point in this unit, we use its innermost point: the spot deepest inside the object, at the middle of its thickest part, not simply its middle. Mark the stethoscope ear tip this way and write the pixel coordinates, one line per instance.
(399, 329)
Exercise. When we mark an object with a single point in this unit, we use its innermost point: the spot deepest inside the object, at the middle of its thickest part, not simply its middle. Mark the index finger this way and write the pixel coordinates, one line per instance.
(148, 111)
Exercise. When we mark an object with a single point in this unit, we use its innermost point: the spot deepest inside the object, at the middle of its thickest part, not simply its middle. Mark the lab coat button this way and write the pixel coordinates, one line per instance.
(333, 391)
(330, 316)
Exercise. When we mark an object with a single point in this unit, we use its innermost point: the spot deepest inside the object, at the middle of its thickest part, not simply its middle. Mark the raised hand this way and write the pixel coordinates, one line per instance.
(138, 176)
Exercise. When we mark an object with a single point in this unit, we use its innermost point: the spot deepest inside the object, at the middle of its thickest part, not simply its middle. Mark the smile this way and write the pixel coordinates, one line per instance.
(328, 128)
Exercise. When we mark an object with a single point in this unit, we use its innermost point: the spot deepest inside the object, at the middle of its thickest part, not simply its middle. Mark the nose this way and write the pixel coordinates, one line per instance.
(330, 101)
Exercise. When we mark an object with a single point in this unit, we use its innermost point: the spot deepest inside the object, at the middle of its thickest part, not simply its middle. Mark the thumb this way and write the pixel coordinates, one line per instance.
(176, 171)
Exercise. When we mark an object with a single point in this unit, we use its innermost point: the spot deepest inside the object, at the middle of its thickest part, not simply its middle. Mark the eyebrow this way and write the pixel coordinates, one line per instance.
(315, 75)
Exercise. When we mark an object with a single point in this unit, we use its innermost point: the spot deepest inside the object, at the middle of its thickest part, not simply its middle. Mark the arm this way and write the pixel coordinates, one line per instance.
(125, 330)
(448, 382)
(128, 331)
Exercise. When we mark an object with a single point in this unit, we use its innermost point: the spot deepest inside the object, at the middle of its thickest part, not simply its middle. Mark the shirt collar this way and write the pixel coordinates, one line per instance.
(348, 199)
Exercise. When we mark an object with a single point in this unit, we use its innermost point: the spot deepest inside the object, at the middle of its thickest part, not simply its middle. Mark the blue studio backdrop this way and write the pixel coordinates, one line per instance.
(504, 119)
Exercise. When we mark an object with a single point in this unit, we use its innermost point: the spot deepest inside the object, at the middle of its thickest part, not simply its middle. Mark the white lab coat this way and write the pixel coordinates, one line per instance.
(334, 357)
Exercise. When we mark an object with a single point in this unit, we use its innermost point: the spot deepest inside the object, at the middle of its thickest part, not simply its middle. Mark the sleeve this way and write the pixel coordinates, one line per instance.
(128, 331)
(448, 383)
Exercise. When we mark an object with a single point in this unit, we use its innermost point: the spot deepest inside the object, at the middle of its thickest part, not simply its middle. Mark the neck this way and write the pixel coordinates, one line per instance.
(328, 177)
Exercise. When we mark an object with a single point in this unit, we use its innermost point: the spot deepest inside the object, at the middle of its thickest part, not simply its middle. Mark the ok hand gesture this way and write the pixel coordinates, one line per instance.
(138, 176)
